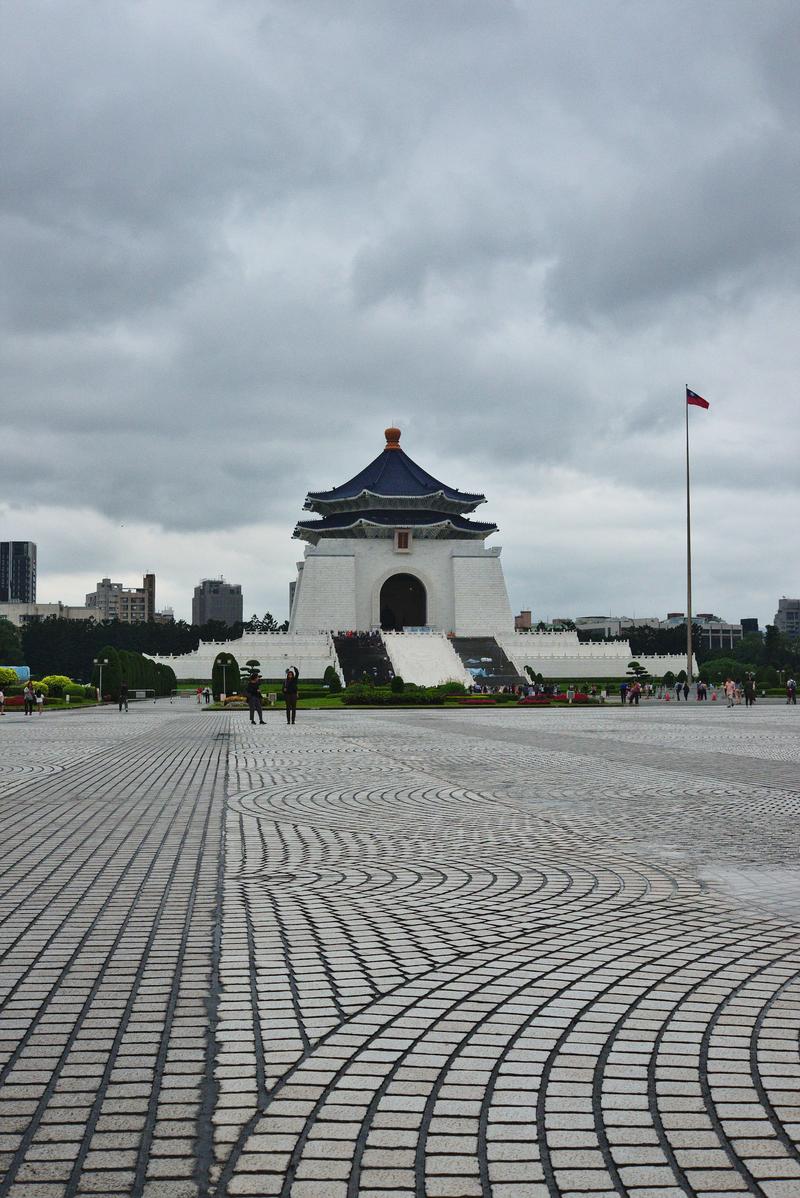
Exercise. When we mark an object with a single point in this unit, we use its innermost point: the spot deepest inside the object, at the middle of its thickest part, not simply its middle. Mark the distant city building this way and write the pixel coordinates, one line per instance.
(522, 622)
(715, 633)
(749, 626)
(25, 613)
(787, 617)
(131, 605)
(17, 572)
(165, 616)
(216, 599)
(613, 626)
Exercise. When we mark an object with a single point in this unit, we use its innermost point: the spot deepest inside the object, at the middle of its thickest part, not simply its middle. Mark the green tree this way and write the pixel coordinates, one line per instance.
(232, 681)
(749, 648)
(637, 671)
(10, 644)
(397, 686)
(332, 680)
(717, 669)
(8, 677)
(112, 673)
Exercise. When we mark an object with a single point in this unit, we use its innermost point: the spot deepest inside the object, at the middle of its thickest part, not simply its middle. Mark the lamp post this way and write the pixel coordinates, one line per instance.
(100, 661)
(224, 665)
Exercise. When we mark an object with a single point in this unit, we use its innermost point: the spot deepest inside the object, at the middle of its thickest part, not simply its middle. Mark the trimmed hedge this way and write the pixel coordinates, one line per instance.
(139, 672)
(230, 675)
(333, 681)
(359, 695)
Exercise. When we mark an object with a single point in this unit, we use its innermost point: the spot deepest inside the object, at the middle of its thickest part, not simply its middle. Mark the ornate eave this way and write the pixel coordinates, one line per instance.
(439, 501)
(425, 526)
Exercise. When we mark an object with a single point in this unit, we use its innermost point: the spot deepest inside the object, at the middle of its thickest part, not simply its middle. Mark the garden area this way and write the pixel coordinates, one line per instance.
(228, 684)
(56, 689)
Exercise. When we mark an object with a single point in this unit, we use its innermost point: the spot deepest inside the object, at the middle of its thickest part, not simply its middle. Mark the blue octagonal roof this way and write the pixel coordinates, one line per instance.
(393, 475)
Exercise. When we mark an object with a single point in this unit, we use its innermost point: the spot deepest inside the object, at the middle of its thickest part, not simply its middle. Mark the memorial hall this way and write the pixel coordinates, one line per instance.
(397, 578)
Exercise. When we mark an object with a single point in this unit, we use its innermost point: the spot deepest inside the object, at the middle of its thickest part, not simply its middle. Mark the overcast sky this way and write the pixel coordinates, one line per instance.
(238, 238)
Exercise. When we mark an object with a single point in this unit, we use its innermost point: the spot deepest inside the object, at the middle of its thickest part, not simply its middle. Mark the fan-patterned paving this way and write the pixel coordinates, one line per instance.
(512, 954)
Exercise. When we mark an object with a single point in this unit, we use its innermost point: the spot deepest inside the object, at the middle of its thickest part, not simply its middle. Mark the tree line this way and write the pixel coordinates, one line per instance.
(69, 647)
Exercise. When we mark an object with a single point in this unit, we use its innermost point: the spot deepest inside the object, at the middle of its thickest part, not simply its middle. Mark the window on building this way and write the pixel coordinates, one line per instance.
(402, 540)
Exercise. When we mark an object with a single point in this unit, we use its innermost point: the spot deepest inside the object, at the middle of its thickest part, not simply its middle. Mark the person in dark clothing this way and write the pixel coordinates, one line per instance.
(749, 692)
(686, 692)
(123, 694)
(29, 698)
(623, 690)
(290, 694)
(253, 695)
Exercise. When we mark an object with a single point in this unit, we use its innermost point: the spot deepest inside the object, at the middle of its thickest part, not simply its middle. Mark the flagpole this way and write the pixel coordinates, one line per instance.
(688, 554)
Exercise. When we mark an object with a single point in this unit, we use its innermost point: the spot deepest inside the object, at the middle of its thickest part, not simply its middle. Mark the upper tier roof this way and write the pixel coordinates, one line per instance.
(425, 524)
(390, 478)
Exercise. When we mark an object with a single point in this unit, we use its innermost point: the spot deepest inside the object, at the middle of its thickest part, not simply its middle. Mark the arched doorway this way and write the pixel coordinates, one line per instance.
(404, 603)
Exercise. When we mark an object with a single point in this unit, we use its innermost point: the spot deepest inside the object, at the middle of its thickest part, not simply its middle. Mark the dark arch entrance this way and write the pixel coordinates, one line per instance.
(404, 603)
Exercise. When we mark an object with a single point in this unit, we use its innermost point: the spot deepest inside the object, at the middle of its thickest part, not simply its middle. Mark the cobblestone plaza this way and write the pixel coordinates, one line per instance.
(514, 954)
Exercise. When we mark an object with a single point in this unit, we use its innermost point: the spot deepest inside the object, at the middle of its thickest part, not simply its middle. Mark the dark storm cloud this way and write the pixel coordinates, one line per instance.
(237, 238)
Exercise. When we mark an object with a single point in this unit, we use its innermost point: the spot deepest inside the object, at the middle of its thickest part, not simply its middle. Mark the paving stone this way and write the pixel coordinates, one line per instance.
(504, 934)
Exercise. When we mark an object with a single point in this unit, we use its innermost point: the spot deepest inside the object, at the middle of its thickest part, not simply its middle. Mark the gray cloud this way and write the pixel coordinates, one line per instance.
(236, 239)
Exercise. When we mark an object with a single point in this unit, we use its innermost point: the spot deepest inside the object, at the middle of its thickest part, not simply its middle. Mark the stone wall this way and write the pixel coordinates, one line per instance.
(276, 651)
(561, 655)
(481, 599)
(325, 596)
(463, 580)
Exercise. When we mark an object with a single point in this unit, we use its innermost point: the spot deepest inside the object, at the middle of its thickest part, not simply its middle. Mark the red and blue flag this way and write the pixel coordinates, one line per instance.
(697, 400)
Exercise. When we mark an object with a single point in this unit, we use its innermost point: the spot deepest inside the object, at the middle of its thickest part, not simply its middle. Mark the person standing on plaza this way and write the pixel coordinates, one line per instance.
(791, 691)
(749, 691)
(730, 691)
(623, 687)
(253, 695)
(686, 692)
(39, 702)
(290, 694)
(28, 698)
(570, 693)
(123, 694)
(678, 691)
(2, 702)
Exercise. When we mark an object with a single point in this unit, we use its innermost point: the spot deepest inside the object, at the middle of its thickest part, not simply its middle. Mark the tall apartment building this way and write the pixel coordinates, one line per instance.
(17, 572)
(787, 617)
(130, 605)
(216, 599)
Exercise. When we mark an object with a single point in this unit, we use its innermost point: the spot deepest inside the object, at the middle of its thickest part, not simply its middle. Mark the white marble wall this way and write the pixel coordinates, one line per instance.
(276, 651)
(339, 584)
(562, 655)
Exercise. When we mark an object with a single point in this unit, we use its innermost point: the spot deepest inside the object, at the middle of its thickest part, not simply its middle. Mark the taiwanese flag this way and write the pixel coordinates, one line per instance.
(693, 398)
